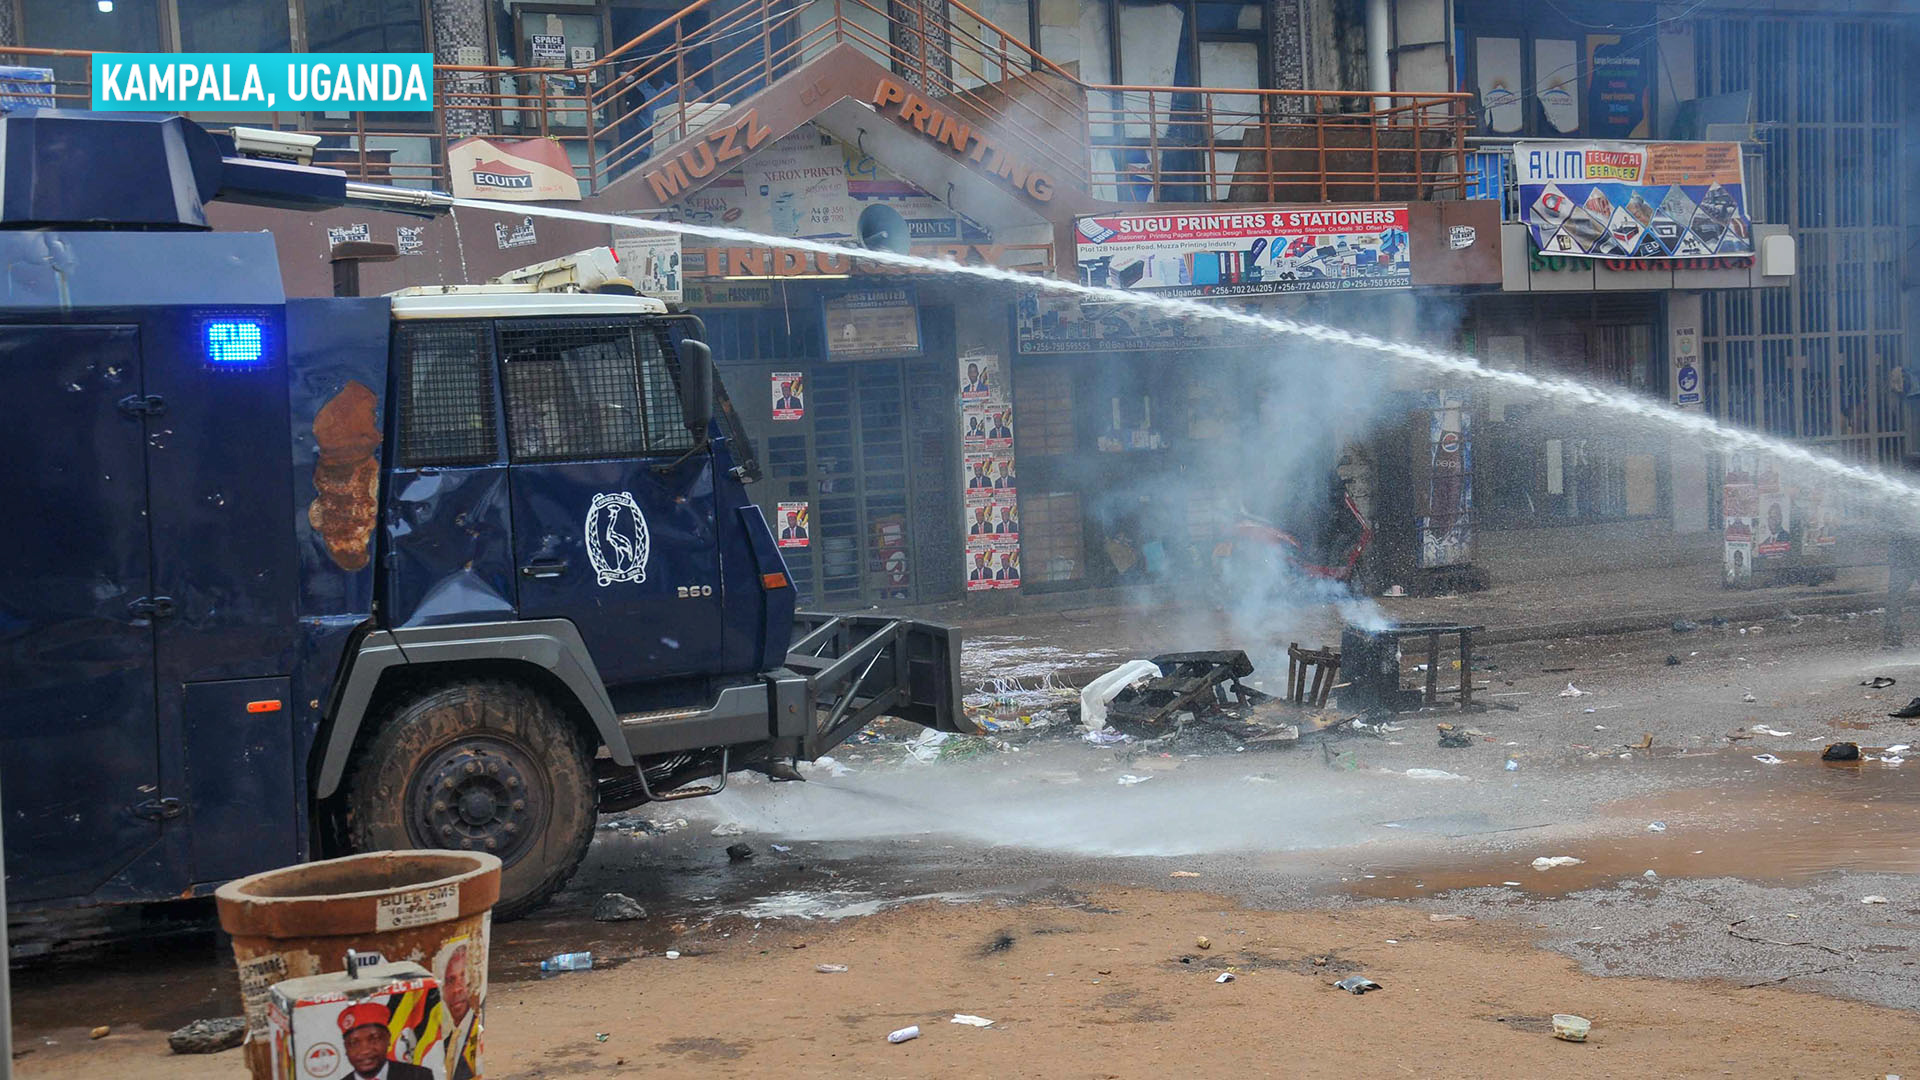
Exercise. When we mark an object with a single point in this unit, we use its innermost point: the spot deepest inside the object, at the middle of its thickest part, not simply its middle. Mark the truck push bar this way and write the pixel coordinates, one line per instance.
(859, 667)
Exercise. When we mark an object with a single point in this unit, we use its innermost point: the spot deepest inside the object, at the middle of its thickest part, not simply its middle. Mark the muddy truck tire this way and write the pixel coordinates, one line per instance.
(482, 765)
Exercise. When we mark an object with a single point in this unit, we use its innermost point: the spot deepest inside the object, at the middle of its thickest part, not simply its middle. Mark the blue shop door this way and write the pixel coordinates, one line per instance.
(613, 526)
(78, 736)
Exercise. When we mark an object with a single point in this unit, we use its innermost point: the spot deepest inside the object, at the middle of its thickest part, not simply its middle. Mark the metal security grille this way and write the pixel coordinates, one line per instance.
(1814, 360)
(583, 389)
(445, 376)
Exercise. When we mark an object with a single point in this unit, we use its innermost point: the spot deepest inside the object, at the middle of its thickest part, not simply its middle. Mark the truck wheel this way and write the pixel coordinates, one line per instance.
(479, 766)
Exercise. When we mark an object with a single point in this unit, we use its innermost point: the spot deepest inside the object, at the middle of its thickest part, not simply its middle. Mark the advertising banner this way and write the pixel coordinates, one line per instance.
(651, 260)
(1634, 200)
(1253, 252)
(867, 323)
(512, 170)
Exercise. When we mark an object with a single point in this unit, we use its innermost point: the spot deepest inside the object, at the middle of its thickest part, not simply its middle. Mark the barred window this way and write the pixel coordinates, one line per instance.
(583, 389)
(445, 378)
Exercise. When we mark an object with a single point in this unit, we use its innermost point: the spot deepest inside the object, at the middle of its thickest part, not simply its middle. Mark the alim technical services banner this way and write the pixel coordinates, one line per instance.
(1634, 200)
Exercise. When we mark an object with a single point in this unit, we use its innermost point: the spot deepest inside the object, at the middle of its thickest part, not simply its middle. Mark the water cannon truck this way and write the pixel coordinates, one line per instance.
(460, 567)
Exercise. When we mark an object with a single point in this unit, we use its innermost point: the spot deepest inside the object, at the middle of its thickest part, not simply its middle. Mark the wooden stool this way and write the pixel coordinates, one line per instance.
(1324, 664)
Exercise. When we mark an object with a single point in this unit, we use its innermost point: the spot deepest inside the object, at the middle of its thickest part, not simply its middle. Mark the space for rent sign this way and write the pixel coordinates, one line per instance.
(1247, 252)
(1634, 200)
(263, 82)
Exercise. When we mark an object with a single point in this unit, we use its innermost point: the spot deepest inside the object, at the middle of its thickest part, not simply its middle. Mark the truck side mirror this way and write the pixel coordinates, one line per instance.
(696, 387)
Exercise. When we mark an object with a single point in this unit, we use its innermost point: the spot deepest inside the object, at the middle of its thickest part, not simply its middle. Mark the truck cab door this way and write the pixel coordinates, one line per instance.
(613, 522)
(78, 730)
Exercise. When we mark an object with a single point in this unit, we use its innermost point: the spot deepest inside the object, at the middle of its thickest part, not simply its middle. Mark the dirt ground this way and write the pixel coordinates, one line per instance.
(1116, 986)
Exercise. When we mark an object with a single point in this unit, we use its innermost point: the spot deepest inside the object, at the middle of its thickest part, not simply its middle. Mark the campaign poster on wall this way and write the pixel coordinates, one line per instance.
(789, 395)
(1252, 252)
(793, 527)
(1634, 200)
(992, 522)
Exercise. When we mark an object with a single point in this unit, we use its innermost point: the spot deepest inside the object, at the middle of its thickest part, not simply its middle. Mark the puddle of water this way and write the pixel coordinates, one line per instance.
(1770, 823)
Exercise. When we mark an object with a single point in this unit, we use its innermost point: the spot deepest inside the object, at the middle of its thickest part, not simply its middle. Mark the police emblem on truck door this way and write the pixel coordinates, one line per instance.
(616, 537)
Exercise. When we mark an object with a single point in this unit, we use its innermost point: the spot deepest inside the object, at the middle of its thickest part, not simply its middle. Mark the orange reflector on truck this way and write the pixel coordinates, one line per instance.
(773, 581)
(263, 706)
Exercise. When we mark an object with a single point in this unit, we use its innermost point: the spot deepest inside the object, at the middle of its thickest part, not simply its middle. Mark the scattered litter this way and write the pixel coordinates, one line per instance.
(568, 961)
(831, 969)
(1357, 984)
(1512, 765)
(617, 907)
(1672, 660)
(1645, 743)
(1571, 1028)
(1874, 900)
(739, 852)
(1128, 779)
(209, 1036)
(602, 1036)
(1183, 873)
(1651, 876)
(1769, 759)
(1452, 738)
(1748, 697)
(1549, 862)
(1891, 759)
(729, 828)
(1908, 711)
(1097, 694)
(1107, 737)
(833, 767)
(1514, 883)
(781, 848)
(1203, 942)
(1573, 691)
(1683, 626)
(673, 954)
(1432, 774)
(1656, 826)
(1449, 918)
(904, 1034)
(1878, 682)
(1225, 977)
(1897, 748)
(1765, 730)
(100, 1032)
(971, 1020)
(1841, 751)
(1395, 590)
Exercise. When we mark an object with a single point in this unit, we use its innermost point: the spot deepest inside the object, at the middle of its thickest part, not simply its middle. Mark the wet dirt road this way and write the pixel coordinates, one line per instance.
(1035, 888)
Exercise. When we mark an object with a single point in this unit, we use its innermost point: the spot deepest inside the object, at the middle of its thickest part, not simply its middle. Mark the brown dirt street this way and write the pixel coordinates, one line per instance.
(1116, 987)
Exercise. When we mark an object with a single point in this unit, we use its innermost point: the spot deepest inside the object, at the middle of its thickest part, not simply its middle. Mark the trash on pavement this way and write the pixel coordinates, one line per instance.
(1225, 977)
(1205, 691)
(617, 907)
(739, 852)
(1449, 917)
(100, 1032)
(1107, 737)
(1203, 942)
(729, 828)
(1656, 826)
(1546, 862)
(1769, 759)
(971, 1020)
(1433, 774)
(1357, 984)
(904, 1034)
(831, 969)
(568, 961)
(209, 1036)
(1765, 730)
(1873, 900)
(1096, 694)
(673, 954)
(1878, 682)
(1672, 660)
(1748, 697)
(781, 848)
(1571, 1028)
(1841, 751)
(1512, 765)
(1683, 626)
(1453, 738)
(925, 748)
(1183, 873)
(1573, 691)
(1128, 779)
(1651, 876)
(1908, 711)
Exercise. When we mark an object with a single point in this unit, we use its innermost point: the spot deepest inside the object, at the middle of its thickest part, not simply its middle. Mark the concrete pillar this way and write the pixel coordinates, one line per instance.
(460, 37)
(1379, 48)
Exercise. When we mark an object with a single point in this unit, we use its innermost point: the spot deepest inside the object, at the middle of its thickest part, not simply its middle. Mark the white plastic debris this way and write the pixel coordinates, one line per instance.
(1891, 759)
(1573, 691)
(1747, 697)
(1874, 900)
(925, 748)
(1107, 737)
(1512, 765)
(673, 954)
(1128, 779)
(833, 767)
(1097, 694)
(729, 828)
(1765, 730)
(971, 1020)
(1768, 759)
(1651, 876)
(1433, 774)
(1225, 977)
(1656, 826)
(830, 969)
(1897, 749)
(904, 1034)
(1550, 862)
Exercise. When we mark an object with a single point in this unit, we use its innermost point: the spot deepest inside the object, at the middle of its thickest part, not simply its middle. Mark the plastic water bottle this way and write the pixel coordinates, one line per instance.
(568, 961)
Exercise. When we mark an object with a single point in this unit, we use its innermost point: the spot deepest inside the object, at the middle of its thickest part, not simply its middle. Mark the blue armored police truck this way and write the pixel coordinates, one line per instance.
(286, 578)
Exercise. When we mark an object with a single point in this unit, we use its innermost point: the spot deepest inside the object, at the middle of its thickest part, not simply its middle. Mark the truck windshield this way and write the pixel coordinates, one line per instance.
(589, 388)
